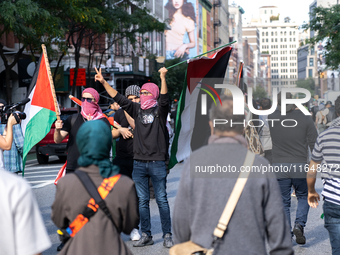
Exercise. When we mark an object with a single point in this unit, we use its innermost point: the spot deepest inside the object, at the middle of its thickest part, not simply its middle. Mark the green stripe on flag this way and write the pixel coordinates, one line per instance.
(181, 104)
(36, 129)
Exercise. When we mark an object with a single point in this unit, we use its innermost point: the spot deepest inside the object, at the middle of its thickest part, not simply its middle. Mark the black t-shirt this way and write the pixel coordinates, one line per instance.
(72, 148)
(151, 137)
(124, 147)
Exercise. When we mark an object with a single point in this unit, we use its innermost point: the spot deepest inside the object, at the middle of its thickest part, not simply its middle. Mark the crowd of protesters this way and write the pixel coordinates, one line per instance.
(100, 198)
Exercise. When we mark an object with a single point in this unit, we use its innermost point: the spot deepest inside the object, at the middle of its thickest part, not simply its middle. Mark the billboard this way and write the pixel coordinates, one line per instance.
(181, 36)
(200, 30)
(205, 36)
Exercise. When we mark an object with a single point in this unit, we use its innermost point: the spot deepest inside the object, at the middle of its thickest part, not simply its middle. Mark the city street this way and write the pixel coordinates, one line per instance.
(41, 178)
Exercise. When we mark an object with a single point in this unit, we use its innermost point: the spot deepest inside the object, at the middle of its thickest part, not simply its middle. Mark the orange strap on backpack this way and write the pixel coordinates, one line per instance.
(92, 207)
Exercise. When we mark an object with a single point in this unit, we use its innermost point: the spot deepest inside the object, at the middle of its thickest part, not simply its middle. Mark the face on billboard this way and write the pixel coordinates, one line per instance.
(181, 34)
(177, 3)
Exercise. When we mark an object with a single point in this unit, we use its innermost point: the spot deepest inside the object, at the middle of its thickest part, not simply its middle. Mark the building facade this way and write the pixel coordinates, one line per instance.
(252, 35)
(221, 21)
(235, 34)
(280, 39)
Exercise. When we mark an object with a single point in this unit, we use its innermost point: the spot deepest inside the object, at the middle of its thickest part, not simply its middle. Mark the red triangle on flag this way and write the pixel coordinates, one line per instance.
(43, 92)
(198, 68)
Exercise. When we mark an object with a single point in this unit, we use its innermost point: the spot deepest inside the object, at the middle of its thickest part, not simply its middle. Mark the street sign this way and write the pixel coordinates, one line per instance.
(111, 69)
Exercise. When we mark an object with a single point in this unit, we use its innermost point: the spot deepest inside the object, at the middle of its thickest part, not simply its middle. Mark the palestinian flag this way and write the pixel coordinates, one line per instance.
(40, 111)
(192, 128)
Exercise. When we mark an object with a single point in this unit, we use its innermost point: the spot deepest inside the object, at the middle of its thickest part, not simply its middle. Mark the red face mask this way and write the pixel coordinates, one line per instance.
(147, 102)
(91, 110)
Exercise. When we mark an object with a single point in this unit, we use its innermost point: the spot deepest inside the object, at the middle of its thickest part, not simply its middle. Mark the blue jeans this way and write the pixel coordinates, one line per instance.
(301, 192)
(156, 170)
(332, 224)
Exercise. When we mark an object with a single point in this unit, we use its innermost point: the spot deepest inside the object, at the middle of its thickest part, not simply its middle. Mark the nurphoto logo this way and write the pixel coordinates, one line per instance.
(238, 104)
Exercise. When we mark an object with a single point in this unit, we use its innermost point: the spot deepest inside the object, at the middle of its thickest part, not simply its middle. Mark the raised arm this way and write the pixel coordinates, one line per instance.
(125, 103)
(99, 77)
(164, 88)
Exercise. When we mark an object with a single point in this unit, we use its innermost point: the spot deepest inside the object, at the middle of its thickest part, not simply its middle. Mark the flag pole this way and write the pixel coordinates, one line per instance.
(239, 74)
(201, 54)
(56, 105)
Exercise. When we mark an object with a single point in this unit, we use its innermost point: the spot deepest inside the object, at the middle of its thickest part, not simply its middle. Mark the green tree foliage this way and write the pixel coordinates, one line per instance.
(259, 93)
(85, 21)
(175, 78)
(29, 22)
(326, 24)
(308, 84)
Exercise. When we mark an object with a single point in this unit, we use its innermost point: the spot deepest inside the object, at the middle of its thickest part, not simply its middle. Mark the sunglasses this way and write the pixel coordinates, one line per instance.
(87, 99)
(145, 93)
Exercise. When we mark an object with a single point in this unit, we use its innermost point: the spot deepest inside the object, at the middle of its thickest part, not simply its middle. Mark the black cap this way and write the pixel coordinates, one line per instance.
(329, 102)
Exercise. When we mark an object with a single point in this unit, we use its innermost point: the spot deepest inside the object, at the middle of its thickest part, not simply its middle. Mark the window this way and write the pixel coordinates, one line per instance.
(311, 62)
(294, 39)
(312, 51)
(285, 33)
(310, 73)
(262, 40)
(272, 40)
(290, 32)
(275, 39)
(294, 33)
(265, 11)
(271, 11)
(285, 39)
(267, 40)
(281, 39)
(272, 33)
(266, 33)
(262, 33)
(290, 39)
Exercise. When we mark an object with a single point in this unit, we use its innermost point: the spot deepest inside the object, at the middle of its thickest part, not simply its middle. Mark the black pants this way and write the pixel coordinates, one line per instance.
(125, 165)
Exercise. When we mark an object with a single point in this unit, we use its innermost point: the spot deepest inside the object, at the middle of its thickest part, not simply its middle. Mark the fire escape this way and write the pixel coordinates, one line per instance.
(217, 23)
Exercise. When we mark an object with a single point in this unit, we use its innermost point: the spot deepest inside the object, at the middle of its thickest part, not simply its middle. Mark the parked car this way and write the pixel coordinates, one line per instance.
(47, 147)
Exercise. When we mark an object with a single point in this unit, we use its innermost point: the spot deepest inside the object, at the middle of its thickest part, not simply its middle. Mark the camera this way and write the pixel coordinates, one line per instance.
(7, 110)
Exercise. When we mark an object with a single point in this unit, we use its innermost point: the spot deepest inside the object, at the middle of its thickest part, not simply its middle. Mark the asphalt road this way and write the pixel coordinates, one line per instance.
(41, 177)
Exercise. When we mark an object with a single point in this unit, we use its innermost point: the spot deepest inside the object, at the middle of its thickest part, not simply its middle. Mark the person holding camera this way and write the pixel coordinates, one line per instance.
(20, 217)
(13, 157)
(7, 139)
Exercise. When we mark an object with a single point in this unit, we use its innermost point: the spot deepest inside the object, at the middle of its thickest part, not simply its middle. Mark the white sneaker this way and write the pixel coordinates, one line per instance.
(135, 236)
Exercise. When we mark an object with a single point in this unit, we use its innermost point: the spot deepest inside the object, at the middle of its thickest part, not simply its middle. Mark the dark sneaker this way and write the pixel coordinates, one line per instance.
(143, 241)
(168, 243)
(298, 232)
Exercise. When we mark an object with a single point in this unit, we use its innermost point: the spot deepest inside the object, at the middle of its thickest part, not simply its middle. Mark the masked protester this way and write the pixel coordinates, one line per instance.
(124, 136)
(150, 149)
(90, 110)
